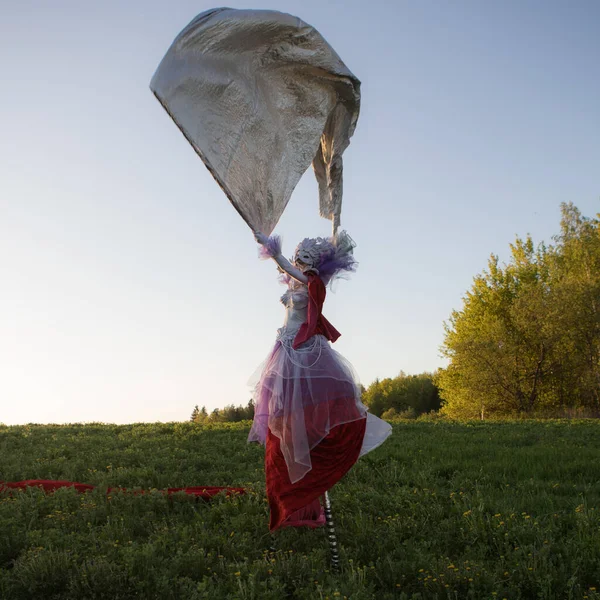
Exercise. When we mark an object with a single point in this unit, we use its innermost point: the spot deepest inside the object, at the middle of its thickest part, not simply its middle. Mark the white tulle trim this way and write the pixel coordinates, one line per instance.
(377, 431)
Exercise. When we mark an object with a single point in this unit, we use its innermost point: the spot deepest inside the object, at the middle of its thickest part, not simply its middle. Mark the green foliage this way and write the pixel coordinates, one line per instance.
(441, 510)
(527, 340)
(405, 396)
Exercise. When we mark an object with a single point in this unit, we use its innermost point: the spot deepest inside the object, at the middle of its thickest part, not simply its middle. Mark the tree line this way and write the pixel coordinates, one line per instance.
(229, 414)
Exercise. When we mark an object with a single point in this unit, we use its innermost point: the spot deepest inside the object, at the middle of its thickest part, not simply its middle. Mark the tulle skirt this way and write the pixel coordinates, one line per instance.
(301, 395)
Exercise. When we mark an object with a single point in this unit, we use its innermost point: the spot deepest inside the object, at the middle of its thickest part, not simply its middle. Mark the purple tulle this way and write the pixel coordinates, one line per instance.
(337, 266)
(339, 260)
(271, 248)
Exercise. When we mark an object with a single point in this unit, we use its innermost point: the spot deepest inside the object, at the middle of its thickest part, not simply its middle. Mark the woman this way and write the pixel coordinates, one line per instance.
(308, 410)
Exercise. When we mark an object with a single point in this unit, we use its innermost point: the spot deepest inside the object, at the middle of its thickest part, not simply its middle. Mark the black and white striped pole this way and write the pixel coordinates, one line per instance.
(333, 547)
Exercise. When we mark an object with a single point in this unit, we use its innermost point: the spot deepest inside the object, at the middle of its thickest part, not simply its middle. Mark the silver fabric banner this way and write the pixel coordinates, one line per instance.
(260, 95)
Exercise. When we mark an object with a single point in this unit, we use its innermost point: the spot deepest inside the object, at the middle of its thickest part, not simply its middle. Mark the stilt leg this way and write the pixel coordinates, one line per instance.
(335, 557)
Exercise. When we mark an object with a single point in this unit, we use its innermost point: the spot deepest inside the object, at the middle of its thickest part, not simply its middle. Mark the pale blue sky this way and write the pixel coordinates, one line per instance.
(130, 288)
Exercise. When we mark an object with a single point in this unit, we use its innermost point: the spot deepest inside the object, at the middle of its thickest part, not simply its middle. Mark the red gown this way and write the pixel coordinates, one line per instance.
(297, 504)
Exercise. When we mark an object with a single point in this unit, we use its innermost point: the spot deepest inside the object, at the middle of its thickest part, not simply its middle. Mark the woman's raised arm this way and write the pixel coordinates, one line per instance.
(271, 248)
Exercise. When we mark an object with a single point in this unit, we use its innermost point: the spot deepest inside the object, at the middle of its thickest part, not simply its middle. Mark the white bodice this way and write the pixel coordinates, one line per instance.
(295, 301)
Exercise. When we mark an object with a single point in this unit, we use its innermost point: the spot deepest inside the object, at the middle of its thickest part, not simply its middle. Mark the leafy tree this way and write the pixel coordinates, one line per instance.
(216, 416)
(390, 413)
(249, 410)
(199, 415)
(403, 393)
(527, 339)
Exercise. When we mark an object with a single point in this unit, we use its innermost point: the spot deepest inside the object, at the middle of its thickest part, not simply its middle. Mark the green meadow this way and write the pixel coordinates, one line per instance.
(442, 510)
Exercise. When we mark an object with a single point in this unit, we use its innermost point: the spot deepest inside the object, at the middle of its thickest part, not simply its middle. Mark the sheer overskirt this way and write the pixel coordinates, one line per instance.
(301, 395)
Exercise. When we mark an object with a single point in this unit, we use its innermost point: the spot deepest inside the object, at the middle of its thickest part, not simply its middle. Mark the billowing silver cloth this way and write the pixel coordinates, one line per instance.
(260, 95)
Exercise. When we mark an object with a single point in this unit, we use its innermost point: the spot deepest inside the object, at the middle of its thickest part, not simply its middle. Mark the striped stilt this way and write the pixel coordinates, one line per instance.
(335, 557)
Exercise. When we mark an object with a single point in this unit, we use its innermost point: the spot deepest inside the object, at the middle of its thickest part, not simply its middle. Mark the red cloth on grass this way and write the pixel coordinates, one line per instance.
(50, 485)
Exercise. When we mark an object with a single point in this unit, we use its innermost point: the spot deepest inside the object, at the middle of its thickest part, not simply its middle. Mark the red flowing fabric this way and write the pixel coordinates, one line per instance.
(296, 504)
(315, 323)
(50, 485)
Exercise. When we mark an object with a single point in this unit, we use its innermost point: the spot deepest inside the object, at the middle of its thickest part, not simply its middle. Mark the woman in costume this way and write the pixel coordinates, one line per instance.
(260, 95)
(308, 409)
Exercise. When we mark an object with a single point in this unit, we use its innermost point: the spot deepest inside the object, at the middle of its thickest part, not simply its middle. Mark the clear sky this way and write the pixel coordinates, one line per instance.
(130, 289)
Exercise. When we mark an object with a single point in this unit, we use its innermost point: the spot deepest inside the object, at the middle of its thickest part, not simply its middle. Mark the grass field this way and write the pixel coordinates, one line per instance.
(476, 510)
